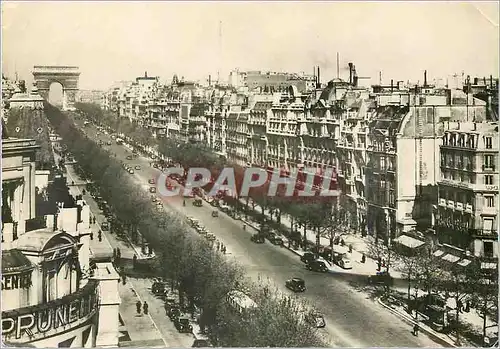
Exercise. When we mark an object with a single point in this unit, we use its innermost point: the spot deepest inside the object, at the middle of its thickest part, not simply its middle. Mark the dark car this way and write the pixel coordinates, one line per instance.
(197, 203)
(307, 257)
(257, 238)
(173, 311)
(381, 278)
(277, 240)
(317, 265)
(158, 288)
(129, 157)
(296, 285)
(182, 325)
(271, 236)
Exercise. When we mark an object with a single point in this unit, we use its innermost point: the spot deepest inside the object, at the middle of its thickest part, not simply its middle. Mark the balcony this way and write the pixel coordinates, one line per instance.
(63, 316)
(483, 234)
(488, 168)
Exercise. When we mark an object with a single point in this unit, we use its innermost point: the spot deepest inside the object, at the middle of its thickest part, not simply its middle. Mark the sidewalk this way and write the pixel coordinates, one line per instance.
(136, 330)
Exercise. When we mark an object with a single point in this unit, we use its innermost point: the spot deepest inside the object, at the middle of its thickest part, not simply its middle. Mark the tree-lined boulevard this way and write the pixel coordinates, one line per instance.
(352, 320)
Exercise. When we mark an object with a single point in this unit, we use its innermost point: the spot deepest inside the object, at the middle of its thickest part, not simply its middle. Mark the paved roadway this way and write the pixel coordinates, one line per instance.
(353, 319)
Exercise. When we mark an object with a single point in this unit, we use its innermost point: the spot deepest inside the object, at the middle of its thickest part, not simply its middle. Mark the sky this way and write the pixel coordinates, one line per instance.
(113, 41)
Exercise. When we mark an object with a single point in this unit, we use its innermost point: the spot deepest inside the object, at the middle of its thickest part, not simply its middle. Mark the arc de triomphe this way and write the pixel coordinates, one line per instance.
(67, 76)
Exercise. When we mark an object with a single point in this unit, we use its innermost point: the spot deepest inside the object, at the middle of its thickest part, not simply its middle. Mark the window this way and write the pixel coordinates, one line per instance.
(382, 164)
(487, 224)
(488, 248)
(488, 161)
(430, 115)
(488, 142)
(488, 179)
(490, 201)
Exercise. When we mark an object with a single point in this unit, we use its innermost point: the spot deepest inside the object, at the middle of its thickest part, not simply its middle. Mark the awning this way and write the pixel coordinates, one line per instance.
(14, 261)
(438, 253)
(409, 241)
(464, 262)
(490, 265)
(450, 258)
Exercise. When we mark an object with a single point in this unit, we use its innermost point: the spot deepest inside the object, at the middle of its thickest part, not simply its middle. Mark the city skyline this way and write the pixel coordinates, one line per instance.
(119, 41)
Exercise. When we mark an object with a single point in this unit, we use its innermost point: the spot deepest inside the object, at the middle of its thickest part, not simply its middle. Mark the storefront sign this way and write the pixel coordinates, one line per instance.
(52, 315)
(16, 281)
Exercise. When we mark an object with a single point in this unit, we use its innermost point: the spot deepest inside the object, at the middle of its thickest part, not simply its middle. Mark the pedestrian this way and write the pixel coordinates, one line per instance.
(223, 249)
(134, 261)
(363, 258)
(91, 236)
(459, 306)
(415, 330)
(218, 245)
(350, 248)
(118, 253)
(124, 279)
(145, 308)
(138, 306)
(99, 236)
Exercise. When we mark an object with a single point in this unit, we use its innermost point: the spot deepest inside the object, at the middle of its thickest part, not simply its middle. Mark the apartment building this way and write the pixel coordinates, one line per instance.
(260, 106)
(466, 219)
(237, 135)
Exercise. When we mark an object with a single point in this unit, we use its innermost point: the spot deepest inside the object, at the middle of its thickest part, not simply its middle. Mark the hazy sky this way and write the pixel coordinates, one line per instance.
(113, 41)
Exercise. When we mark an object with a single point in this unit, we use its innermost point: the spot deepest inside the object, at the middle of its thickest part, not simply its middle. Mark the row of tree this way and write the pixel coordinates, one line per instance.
(202, 276)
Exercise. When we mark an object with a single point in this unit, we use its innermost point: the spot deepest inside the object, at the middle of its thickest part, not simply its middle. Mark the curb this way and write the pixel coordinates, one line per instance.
(411, 321)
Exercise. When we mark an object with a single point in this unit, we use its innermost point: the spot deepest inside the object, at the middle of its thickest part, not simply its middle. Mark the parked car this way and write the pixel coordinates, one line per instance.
(197, 203)
(158, 288)
(151, 181)
(131, 171)
(317, 265)
(210, 237)
(152, 189)
(105, 226)
(137, 167)
(307, 257)
(173, 311)
(277, 240)
(129, 157)
(182, 325)
(315, 319)
(381, 278)
(201, 343)
(201, 230)
(345, 263)
(296, 285)
(258, 238)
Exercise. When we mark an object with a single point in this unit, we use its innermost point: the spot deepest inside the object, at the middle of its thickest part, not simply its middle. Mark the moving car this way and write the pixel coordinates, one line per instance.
(215, 213)
(315, 319)
(182, 325)
(296, 285)
(137, 167)
(258, 238)
(277, 240)
(317, 265)
(381, 278)
(345, 263)
(129, 157)
(197, 203)
(131, 171)
(105, 226)
(152, 189)
(151, 181)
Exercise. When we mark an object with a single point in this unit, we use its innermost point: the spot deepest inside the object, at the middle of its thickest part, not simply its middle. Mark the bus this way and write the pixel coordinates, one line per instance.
(240, 302)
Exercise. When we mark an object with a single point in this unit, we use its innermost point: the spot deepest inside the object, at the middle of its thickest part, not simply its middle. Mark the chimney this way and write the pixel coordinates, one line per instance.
(425, 78)
(210, 80)
(145, 74)
(392, 85)
(491, 81)
(458, 125)
(319, 78)
(314, 76)
(350, 73)
(475, 81)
